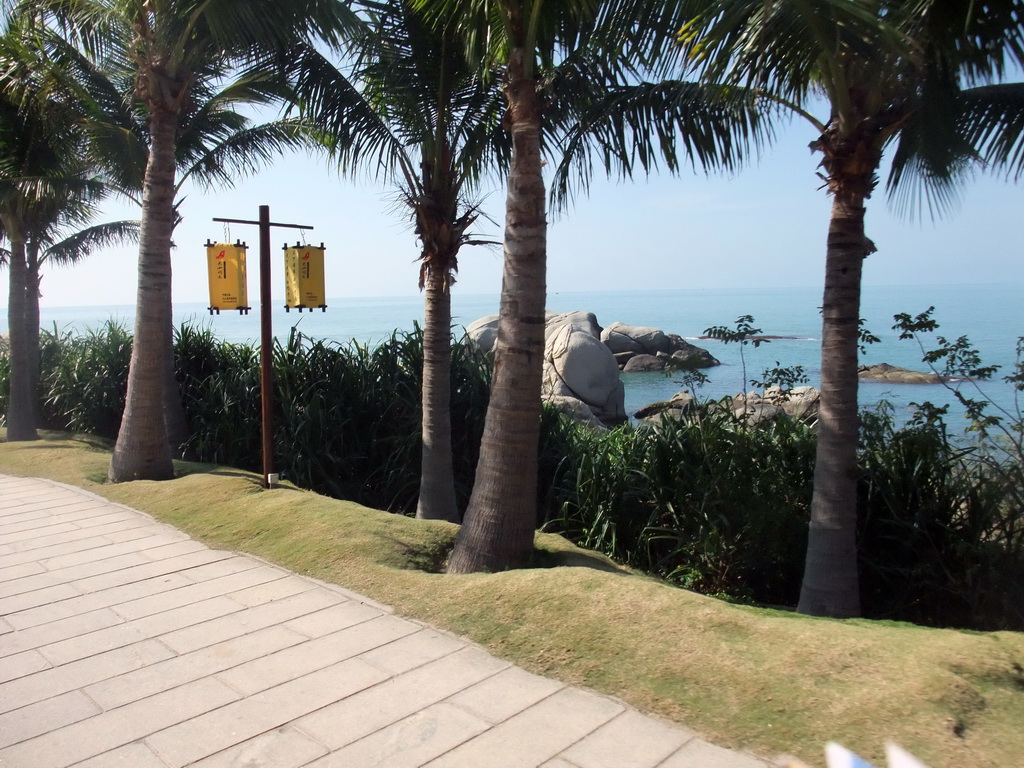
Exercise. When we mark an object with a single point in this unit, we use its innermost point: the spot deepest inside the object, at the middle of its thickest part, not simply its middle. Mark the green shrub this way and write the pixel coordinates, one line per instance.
(84, 378)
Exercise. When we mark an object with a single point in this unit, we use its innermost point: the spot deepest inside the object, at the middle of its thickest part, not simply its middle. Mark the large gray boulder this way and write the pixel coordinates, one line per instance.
(584, 322)
(642, 363)
(626, 341)
(642, 339)
(483, 332)
(681, 404)
(578, 365)
(896, 375)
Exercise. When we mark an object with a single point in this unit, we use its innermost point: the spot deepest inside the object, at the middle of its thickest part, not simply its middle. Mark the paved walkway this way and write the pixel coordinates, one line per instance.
(123, 642)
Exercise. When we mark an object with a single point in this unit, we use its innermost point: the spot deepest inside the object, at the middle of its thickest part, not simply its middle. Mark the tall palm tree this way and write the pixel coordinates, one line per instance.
(915, 76)
(555, 58)
(414, 110)
(173, 50)
(45, 182)
(48, 194)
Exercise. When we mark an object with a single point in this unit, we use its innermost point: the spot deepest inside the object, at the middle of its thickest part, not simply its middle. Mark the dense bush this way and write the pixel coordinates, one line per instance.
(346, 416)
(706, 502)
(714, 505)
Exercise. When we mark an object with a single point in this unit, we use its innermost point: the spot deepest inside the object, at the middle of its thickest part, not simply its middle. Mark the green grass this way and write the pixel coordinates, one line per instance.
(769, 681)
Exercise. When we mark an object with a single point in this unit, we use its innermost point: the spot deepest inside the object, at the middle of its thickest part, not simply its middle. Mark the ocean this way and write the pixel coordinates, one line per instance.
(990, 315)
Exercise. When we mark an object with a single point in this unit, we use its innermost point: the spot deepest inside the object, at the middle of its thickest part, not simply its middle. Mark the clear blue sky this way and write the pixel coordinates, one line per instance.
(764, 226)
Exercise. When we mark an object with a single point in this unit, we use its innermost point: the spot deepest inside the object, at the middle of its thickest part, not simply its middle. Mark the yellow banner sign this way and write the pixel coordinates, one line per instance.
(304, 278)
(228, 285)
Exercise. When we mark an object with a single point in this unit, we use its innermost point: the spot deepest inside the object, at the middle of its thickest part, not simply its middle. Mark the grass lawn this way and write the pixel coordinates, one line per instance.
(769, 681)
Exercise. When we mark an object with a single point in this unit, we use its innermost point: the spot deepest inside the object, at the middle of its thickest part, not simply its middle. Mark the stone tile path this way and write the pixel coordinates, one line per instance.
(125, 643)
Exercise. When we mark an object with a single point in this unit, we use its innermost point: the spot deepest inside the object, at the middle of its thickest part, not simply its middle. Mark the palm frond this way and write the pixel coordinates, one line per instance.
(992, 119)
(244, 152)
(639, 128)
(81, 244)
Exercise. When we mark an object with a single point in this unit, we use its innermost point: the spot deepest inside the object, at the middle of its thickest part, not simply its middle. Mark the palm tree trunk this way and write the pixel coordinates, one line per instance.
(437, 477)
(20, 405)
(174, 411)
(830, 586)
(32, 329)
(141, 451)
(497, 532)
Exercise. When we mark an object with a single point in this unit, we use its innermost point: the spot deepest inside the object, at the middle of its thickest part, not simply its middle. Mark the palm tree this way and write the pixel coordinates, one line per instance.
(173, 51)
(556, 59)
(415, 110)
(911, 75)
(47, 189)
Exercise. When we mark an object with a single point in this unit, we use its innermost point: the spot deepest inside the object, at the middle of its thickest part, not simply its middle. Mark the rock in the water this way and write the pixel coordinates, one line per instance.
(896, 375)
(681, 404)
(577, 365)
(641, 363)
(619, 337)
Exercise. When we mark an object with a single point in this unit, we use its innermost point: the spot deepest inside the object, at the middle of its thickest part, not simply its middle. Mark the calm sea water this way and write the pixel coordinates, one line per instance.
(992, 316)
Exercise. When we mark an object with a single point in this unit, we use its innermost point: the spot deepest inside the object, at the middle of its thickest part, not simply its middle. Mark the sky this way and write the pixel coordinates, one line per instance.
(763, 226)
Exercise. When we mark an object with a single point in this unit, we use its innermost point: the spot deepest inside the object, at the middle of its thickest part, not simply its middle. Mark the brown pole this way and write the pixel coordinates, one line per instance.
(266, 348)
(266, 337)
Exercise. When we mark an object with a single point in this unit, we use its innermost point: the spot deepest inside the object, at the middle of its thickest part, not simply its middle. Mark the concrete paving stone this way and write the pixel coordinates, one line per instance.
(145, 546)
(18, 665)
(336, 617)
(24, 523)
(232, 724)
(561, 762)
(24, 514)
(414, 650)
(53, 681)
(35, 719)
(698, 753)
(95, 600)
(538, 733)
(277, 668)
(20, 571)
(150, 570)
(507, 693)
(194, 592)
(5, 626)
(357, 716)
(58, 504)
(135, 755)
(178, 670)
(71, 513)
(142, 530)
(110, 516)
(37, 597)
(130, 632)
(49, 530)
(70, 628)
(10, 557)
(172, 549)
(248, 620)
(72, 536)
(30, 583)
(280, 748)
(631, 740)
(221, 567)
(43, 498)
(83, 571)
(284, 585)
(109, 730)
(410, 742)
